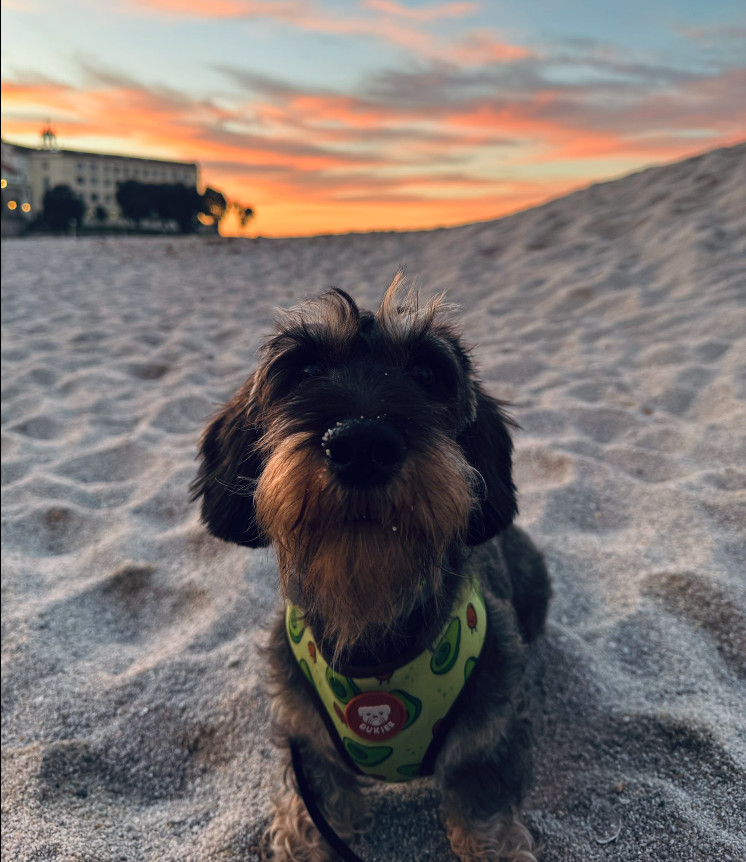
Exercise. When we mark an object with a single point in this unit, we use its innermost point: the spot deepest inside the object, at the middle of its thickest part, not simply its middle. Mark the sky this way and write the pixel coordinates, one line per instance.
(328, 117)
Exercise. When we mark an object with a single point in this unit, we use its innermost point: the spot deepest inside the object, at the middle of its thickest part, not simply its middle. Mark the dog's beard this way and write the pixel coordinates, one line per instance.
(361, 559)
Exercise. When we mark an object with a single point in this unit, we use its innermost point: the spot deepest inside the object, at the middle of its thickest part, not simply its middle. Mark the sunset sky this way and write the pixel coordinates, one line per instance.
(329, 116)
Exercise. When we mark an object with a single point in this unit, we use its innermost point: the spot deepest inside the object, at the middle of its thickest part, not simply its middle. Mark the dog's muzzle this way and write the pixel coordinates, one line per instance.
(363, 451)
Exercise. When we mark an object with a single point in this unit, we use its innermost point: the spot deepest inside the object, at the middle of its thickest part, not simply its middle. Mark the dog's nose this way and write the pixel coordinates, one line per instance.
(363, 451)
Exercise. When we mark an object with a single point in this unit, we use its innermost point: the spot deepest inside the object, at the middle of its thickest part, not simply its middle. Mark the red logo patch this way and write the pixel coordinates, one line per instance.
(376, 715)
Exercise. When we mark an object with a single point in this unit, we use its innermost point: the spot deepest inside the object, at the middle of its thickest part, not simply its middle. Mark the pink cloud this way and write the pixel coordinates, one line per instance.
(283, 10)
(424, 13)
(481, 48)
(391, 23)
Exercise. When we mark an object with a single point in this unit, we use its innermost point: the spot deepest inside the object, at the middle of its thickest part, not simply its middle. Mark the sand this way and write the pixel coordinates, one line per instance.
(614, 320)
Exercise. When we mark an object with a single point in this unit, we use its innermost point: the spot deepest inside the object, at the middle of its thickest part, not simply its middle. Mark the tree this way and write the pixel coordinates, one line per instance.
(175, 202)
(101, 214)
(61, 207)
(136, 200)
(178, 203)
(213, 205)
(244, 213)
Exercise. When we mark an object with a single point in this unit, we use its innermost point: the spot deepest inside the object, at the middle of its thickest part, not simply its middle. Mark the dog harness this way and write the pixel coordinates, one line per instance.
(389, 723)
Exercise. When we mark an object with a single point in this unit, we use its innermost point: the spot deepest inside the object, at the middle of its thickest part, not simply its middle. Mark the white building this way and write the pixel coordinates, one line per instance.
(16, 186)
(92, 176)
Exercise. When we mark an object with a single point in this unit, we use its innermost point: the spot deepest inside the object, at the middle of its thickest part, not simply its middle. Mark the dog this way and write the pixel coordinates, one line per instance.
(364, 449)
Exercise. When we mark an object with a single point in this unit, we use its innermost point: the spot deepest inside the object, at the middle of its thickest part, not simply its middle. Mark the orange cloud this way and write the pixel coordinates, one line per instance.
(412, 153)
(293, 190)
(283, 10)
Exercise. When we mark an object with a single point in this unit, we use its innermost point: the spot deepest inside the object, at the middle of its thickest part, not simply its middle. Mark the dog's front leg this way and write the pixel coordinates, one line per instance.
(483, 778)
(292, 834)
(484, 767)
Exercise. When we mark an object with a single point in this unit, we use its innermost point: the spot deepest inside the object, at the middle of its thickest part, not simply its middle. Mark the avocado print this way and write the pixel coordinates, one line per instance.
(296, 625)
(343, 688)
(368, 711)
(446, 652)
(365, 755)
(471, 616)
(412, 704)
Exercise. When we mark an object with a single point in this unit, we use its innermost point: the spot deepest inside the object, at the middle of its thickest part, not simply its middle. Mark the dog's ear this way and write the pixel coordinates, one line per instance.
(487, 445)
(229, 469)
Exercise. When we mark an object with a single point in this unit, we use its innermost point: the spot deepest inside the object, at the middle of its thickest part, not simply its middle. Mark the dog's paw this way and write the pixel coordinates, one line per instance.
(503, 838)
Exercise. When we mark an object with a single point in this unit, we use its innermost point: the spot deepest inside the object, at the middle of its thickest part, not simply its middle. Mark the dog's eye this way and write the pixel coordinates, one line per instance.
(313, 369)
(423, 374)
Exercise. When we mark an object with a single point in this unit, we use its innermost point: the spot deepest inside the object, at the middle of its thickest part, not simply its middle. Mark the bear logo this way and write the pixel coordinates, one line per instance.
(374, 716)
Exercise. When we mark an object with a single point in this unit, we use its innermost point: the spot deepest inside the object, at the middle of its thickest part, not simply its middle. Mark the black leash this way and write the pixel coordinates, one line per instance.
(304, 788)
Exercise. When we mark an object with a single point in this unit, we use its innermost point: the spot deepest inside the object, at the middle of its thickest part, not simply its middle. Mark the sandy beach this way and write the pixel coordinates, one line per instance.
(614, 320)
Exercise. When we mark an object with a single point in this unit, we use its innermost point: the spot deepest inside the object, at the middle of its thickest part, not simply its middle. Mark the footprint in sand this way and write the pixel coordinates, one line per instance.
(590, 506)
(183, 415)
(729, 479)
(39, 376)
(90, 337)
(540, 466)
(145, 759)
(544, 422)
(672, 746)
(12, 471)
(167, 504)
(132, 606)
(118, 463)
(39, 428)
(711, 351)
(643, 465)
(148, 370)
(707, 606)
(51, 531)
(663, 438)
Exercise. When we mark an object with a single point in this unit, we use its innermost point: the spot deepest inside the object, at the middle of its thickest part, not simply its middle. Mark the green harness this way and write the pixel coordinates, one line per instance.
(390, 723)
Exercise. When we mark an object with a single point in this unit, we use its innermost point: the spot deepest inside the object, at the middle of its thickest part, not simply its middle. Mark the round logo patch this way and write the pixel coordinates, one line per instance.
(376, 715)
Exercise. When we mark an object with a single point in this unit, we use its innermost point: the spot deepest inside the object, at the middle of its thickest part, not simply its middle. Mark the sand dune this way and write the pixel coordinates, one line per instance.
(614, 320)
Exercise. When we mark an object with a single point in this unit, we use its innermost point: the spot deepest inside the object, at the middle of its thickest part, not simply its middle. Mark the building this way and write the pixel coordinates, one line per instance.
(92, 176)
(17, 204)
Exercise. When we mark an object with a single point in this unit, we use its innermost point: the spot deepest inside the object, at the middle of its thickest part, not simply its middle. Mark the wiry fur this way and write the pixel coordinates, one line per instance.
(376, 565)
(322, 533)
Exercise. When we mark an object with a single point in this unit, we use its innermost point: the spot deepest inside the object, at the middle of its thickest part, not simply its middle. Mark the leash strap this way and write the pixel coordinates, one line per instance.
(304, 788)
